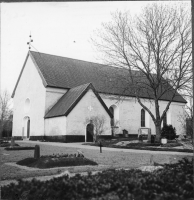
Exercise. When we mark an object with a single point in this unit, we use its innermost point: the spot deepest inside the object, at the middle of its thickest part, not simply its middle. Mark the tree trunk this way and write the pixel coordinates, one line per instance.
(158, 132)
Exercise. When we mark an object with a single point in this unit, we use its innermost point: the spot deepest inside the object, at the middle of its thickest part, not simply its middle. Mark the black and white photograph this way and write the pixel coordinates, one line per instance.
(96, 100)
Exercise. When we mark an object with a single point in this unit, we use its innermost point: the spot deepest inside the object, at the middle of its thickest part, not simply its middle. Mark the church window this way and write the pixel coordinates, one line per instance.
(114, 109)
(165, 120)
(142, 118)
(112, 112)
(27, 105)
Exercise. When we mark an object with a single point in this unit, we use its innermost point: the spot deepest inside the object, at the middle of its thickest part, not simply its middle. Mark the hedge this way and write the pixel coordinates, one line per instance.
(174, 181)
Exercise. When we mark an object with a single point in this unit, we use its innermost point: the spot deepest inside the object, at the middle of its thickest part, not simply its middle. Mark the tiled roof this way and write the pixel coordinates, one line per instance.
(70, 99)
(62, 72)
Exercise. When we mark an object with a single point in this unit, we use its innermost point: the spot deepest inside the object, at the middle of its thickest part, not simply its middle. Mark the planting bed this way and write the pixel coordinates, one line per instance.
(143, 145)
(56, 161)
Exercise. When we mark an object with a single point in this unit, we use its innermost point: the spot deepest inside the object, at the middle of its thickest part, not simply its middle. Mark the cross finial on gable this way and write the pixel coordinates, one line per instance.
(90, 108)
(30, 41)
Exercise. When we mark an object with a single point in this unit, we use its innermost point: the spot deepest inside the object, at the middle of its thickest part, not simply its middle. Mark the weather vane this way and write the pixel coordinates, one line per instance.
(30, 41)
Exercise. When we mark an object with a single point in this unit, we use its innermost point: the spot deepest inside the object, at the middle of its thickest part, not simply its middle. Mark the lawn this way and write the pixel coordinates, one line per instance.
(125, 143)
(105, 160)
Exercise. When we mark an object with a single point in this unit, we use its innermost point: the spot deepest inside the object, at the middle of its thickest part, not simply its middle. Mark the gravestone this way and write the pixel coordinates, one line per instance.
(125, 133)
(12, 142)
(37, 152)
(149, 135)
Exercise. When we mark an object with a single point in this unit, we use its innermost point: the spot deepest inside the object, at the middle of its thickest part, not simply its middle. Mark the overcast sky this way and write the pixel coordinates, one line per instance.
(62, 29)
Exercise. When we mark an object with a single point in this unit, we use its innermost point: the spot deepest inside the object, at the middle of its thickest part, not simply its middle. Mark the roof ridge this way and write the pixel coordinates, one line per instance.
(80, 86)
(75, 100)
(81, 60)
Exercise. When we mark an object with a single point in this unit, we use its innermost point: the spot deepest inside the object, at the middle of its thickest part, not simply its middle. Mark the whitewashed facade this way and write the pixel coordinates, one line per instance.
(33, 98)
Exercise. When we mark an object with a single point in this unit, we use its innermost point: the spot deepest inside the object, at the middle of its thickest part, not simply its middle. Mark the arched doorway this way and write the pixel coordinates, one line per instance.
(89, 132)
(26, 127)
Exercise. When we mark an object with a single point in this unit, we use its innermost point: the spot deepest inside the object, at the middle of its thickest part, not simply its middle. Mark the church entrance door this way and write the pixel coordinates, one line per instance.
(89, 132)
(28, 128)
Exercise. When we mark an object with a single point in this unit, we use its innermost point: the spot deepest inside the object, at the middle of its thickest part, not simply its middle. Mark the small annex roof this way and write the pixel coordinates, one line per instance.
(70, 99)
(67, 73)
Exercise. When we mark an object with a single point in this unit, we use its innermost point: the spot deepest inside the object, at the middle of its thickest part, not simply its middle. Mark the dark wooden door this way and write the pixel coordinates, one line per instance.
(89, 133)
(28, 128)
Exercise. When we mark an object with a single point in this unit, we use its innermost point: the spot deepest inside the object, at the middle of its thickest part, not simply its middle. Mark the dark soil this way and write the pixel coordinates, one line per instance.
(150, 148)
(43, 163)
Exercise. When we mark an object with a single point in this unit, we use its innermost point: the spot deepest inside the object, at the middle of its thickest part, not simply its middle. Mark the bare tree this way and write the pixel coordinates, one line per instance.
(155, 50)
(5, 110)
(98, 121)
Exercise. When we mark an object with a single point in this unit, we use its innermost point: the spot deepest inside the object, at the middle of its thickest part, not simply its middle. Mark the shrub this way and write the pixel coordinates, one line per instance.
(152, 139)
(140, 138)
(174, 181)
(168, 132)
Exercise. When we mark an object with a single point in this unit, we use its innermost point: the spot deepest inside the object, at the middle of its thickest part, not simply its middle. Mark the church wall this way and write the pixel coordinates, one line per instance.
(130, 113)
(78, 118)
(52, 96)
(177, 113)
(29, 87)
(55, 126)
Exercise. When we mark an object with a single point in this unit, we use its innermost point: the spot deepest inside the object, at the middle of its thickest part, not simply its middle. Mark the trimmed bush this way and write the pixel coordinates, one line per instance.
(168, 132)
(174, 181)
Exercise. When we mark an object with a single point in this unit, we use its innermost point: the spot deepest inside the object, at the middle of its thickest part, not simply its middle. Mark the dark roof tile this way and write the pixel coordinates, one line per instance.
(62, 72)
(70, 99)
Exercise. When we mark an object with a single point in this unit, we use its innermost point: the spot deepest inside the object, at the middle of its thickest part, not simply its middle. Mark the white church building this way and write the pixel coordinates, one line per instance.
(55, 98)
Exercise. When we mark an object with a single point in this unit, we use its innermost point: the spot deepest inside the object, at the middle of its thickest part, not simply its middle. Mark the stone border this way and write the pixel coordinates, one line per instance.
(35, 169)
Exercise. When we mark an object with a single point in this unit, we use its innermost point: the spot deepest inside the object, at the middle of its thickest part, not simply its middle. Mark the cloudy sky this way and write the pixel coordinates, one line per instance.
(63, 29)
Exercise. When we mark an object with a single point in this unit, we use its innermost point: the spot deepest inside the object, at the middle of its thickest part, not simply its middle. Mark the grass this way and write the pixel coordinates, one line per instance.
(17, 148)
(105, 160)
(8, 144)
(47, 162)
(143, 145)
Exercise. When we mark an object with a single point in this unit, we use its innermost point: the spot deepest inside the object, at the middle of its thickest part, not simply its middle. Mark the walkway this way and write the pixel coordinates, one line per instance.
(80, 146)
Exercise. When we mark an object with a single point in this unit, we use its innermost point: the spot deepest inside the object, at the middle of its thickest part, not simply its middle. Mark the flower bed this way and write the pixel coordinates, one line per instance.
(57, 160)
(174, 181)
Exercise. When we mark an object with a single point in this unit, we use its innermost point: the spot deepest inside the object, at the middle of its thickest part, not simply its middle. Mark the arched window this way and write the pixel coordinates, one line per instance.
(165, 120)
(27, 105)
(142, 118)
(112, 112)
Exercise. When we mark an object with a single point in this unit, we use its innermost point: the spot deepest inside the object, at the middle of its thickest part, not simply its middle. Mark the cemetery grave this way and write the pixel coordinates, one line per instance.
(55, 160)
